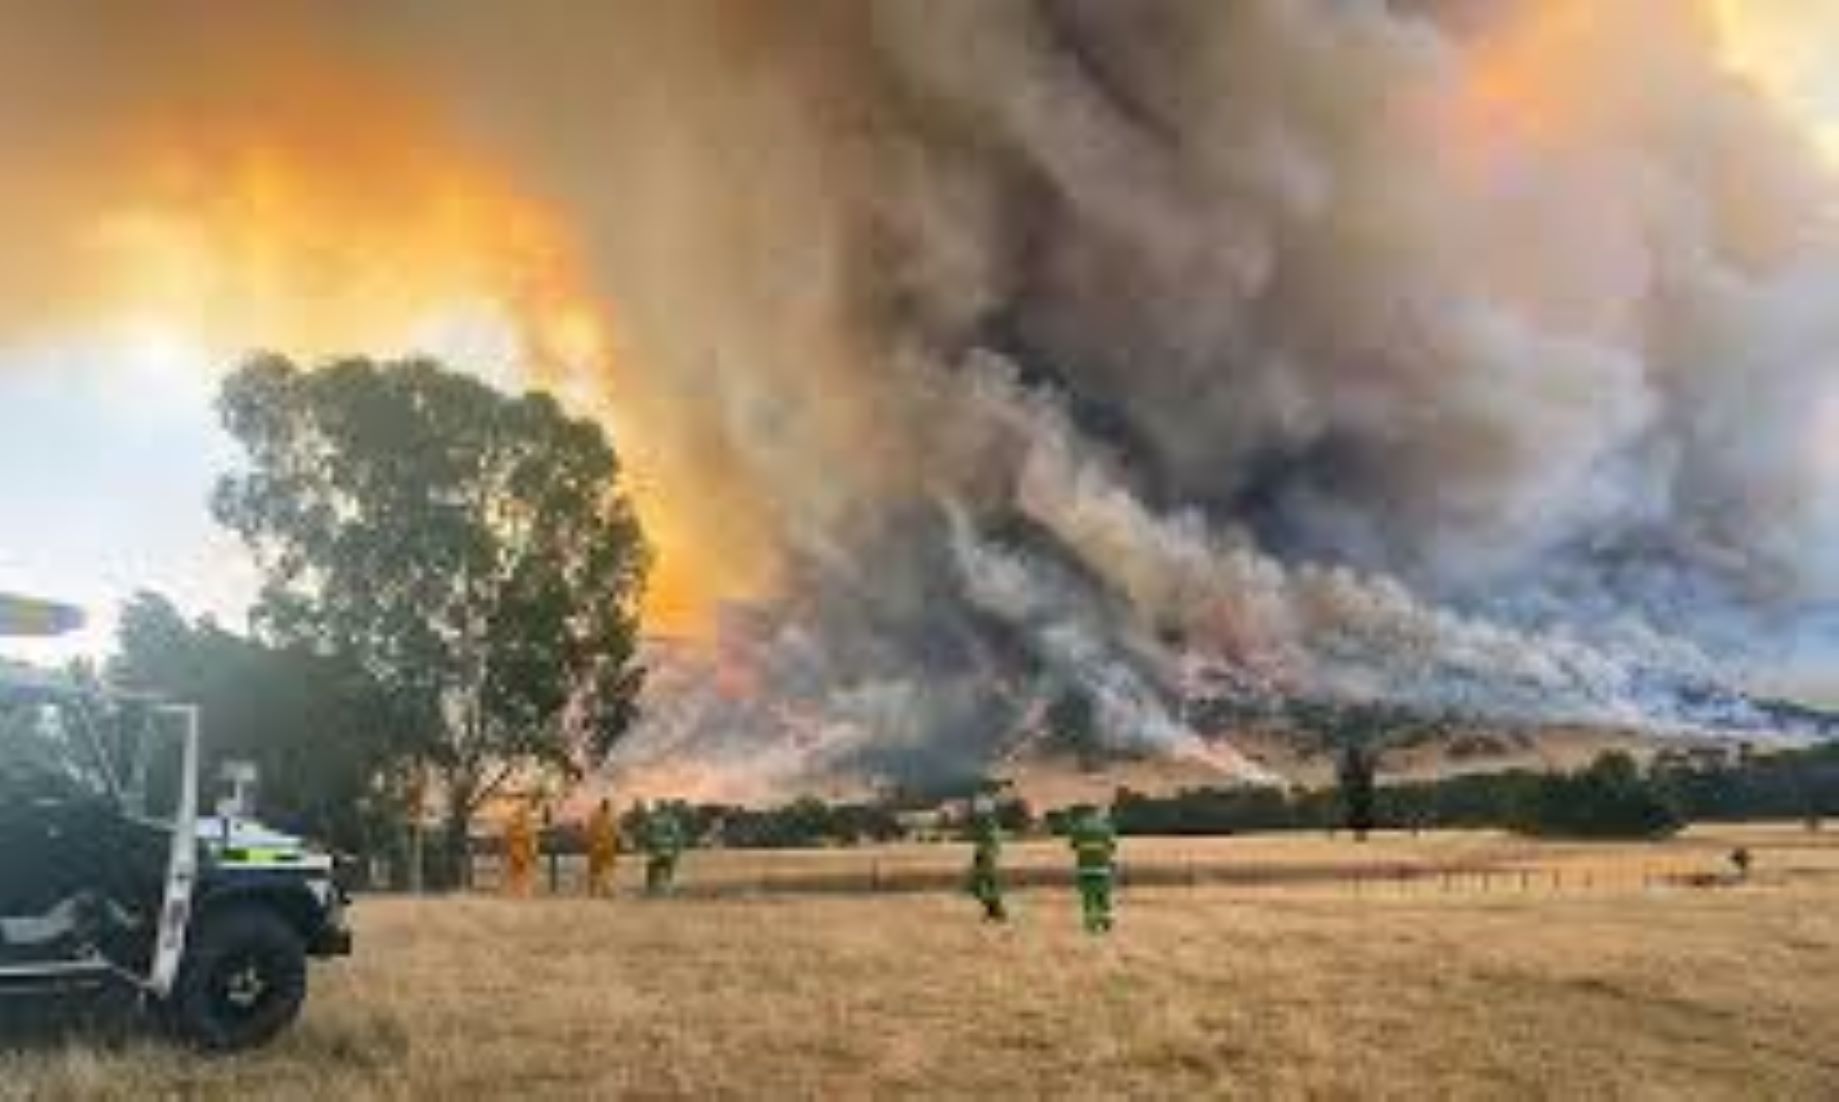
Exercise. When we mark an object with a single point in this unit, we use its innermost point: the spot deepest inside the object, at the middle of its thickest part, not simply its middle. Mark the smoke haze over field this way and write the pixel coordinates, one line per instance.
(1477, 355)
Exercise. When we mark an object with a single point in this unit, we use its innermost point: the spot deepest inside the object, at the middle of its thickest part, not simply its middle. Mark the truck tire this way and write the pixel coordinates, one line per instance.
(242, 982)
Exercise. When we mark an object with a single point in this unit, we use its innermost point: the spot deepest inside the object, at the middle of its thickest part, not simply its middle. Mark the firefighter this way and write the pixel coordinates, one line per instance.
(602, 850)
(520, 853)
(1093, 841)
(985, 880)
(663, 836)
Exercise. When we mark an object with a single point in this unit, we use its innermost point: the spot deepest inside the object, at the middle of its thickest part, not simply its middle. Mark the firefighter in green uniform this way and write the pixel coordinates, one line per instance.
(663, 840)
(1094, 844)
(985, 881)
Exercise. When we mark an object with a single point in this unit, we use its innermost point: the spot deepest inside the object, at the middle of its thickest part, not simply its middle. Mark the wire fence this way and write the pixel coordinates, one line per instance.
(718, 874)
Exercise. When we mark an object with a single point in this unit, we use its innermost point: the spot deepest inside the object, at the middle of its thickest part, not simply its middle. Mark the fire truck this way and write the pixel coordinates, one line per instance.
(110, 878)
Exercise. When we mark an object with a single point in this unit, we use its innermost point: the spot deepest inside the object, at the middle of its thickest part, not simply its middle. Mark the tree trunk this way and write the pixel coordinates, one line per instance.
(415, 875)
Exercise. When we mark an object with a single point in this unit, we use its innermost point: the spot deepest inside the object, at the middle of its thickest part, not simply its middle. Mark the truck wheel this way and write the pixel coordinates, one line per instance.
(242, 981)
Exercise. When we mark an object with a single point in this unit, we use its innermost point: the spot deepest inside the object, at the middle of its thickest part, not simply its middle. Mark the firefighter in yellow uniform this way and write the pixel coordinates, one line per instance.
(602, 850)
(520, 853)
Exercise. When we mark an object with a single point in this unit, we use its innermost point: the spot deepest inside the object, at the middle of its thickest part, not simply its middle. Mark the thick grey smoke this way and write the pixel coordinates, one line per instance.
(1469, 355)
(1329, 348)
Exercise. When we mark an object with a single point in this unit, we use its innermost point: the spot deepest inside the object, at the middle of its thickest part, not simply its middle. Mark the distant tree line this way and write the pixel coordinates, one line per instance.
(812, 823)
(1612, 797)
(804, 823)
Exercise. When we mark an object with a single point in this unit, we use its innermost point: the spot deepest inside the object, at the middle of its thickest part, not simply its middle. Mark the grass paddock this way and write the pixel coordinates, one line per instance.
(1626, 990)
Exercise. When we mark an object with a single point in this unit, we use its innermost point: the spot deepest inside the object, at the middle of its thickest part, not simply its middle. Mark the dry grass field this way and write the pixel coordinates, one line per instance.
(1310, 989)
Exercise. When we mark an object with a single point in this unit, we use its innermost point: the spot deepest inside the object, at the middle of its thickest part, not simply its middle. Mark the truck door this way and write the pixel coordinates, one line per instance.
(74, 871)
(52, 796)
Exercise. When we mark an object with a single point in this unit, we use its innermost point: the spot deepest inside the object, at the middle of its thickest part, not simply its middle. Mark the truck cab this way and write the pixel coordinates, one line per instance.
(108, 876)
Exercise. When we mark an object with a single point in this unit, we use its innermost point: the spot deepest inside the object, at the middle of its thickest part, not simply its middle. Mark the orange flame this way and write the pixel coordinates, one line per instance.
(1519, 87)
(317, 210)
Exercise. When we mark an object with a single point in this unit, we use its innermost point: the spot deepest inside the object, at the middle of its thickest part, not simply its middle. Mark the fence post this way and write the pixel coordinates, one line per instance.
(548, 842)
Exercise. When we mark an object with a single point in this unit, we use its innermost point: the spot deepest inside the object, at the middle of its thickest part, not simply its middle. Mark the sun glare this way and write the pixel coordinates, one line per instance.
(1790, 49)
(343, 218)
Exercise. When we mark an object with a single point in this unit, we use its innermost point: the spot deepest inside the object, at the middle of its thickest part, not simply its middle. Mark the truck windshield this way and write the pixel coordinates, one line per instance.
(150, 752)
(43, 755)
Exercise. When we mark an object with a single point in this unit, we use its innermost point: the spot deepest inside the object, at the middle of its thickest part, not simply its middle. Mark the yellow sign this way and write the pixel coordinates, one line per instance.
(23, 616)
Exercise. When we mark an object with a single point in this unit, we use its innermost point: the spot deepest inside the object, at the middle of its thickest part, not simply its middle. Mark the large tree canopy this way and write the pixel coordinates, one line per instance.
(473, 552)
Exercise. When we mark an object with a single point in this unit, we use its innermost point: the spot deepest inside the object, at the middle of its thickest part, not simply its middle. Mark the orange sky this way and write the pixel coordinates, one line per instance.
(320, 210)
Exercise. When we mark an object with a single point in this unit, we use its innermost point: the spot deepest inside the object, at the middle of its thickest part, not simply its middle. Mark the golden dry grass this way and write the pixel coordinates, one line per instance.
(1312, 991)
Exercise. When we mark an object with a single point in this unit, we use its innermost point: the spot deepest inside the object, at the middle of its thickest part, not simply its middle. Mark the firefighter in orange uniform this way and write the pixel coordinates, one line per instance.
(520, 853)
(602, 850)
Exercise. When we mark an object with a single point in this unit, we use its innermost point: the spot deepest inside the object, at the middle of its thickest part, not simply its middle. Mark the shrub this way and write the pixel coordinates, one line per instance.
(1609, 799)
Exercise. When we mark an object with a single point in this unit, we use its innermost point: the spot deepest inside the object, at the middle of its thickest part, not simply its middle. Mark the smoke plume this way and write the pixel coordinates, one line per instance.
(1473, 356)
